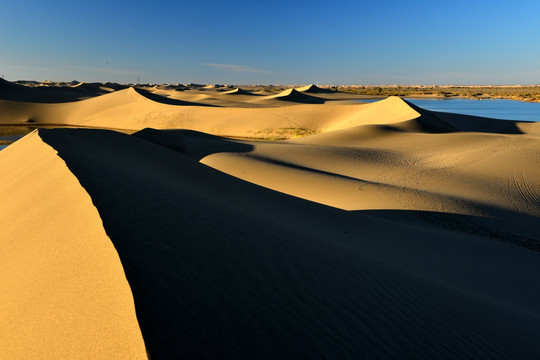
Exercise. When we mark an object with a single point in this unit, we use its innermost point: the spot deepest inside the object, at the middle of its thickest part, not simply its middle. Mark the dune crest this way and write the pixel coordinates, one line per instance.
(64, 293)
(388, 111)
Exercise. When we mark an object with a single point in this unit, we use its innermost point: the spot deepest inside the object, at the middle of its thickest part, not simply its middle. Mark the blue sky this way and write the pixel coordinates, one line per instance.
(272, 42)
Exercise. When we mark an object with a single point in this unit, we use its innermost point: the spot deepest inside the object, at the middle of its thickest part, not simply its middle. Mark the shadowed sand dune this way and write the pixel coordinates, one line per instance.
(49, 94)
(391, 232)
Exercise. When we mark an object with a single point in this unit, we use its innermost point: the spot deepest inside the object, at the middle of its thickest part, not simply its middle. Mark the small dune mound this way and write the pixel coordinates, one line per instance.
(95, 89)
(180, 87)
(314, 89)
(115, 86)
(85, 85)
(391, 110)
(165, 100)
(213, 86)
(293, 95)
(397, 115)
(195, 86)
(237, 91)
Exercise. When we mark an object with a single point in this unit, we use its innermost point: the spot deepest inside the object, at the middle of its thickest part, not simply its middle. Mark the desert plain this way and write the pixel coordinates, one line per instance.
(213, 222)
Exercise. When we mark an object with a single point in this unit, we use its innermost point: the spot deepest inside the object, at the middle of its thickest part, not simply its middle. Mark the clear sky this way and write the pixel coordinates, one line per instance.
(272, 42)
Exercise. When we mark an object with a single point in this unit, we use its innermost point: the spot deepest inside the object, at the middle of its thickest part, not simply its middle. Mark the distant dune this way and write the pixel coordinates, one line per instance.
(50, 94)
(372, 231)
(293, 95)
(314, 89)
(237, 91)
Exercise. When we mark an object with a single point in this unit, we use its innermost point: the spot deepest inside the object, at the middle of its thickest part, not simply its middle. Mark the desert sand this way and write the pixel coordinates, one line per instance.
(218, 222)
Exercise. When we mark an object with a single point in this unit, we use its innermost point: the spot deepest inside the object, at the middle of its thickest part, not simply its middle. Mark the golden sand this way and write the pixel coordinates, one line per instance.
(378, 230)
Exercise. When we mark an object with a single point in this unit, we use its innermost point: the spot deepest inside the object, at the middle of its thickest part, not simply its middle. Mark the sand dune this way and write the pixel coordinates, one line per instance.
(314, 89)
(129, 109)
(63, 292)
(381, 231)
(237, 91)
(166, 100)
(295, 96)
(247, 116)
(49, 94)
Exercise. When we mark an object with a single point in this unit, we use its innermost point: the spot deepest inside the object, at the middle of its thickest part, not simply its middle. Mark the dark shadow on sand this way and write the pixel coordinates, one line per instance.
(221, 268)
(191, 143)
(53, 94)
(494, 229)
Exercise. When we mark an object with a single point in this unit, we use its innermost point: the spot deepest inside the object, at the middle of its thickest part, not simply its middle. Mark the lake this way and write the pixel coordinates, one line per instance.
(496, 108)
(9, 134)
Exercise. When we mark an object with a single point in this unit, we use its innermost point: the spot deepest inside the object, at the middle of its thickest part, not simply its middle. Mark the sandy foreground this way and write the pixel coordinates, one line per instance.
(225, 223)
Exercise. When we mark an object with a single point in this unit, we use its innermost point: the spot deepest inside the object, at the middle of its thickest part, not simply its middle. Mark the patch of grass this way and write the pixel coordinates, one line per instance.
(285, 133)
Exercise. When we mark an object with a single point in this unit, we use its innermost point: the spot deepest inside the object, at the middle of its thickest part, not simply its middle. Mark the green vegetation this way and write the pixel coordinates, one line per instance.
(529, 93)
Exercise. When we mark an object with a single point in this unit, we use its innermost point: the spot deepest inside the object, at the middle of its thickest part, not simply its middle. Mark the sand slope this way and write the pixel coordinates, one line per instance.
(354, 169)
(222, 268)
(63, 293)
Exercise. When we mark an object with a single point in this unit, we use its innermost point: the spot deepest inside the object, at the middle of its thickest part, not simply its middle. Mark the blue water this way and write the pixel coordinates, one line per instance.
(11, 133)
(497, 108)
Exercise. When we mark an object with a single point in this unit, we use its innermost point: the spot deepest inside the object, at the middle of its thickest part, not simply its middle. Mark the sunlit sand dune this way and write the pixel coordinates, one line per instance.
(377, 231)
(314, 89)
(292, 95)
(237, 91)
(63, 292)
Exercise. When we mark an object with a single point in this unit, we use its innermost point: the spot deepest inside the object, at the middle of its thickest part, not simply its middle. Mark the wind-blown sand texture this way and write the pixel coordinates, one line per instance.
(376, 231)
